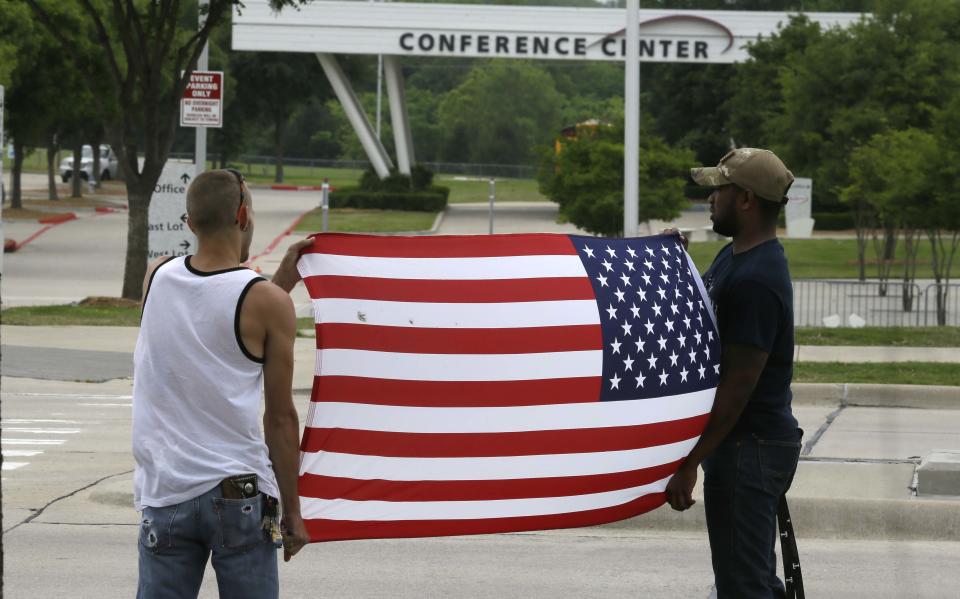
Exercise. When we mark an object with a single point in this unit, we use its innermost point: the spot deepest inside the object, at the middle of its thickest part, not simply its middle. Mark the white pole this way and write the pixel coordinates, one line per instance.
(325, 203)
(202, 64)
(493, 195)
(3, 151)
(393, 75)
(379, 93)
(631, 123)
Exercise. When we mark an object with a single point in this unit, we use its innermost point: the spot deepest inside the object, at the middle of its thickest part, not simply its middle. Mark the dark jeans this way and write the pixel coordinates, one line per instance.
(176, 542)
(742, 485)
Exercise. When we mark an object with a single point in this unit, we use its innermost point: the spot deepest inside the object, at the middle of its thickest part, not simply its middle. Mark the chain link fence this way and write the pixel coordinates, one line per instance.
(818, 303)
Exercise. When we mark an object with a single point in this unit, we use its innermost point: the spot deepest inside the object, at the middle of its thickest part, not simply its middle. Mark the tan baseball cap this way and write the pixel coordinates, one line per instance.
(757, 170)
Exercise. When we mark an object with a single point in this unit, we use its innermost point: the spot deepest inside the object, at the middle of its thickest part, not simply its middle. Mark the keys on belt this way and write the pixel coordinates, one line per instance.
(242, 486)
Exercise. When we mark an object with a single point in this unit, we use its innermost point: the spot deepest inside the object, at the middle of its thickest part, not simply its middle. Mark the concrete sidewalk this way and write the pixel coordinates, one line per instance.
(857, 478)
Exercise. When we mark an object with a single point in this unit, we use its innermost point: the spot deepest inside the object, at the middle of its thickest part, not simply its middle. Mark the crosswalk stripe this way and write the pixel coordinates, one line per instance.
(42, 431)
(21, 453)
(33, 441)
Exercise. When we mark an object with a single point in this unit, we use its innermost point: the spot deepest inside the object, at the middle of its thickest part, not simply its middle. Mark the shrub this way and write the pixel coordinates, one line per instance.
(433, 200)
(832, 221)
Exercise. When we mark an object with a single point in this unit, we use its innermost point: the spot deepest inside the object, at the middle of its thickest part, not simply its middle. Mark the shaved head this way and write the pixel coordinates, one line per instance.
(213, 200)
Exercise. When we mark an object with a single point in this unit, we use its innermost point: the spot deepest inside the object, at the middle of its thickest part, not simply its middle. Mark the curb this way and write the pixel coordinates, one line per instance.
(437, 222)
(876, 395)
(56, 219)
(299, 188)
(834, 518)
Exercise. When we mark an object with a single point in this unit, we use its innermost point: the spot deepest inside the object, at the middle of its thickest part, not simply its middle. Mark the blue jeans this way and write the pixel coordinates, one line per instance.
(175, 542)
(742, 485)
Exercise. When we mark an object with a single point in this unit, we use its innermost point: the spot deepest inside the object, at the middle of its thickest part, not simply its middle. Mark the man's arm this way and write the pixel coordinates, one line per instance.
(151, 268)
(740, 369)
(281, 425)
(287, 274)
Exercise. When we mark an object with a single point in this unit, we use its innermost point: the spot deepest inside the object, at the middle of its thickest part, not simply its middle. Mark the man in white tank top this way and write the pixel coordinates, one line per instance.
(214, 338)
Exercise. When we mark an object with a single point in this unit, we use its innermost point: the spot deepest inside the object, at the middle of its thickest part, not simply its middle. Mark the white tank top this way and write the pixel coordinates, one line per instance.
(196, 389)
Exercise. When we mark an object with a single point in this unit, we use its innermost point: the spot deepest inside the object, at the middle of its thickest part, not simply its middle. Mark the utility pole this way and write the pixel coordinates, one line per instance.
(631, 123)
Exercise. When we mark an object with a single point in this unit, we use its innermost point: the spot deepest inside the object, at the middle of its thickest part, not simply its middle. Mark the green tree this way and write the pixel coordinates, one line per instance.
(276, 85)
(148, 50)
(501, 111)
(836, 89)
(586, 179)
(894, 174)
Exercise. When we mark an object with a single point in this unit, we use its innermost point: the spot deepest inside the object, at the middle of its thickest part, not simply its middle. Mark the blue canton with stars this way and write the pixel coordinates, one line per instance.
(658, 337)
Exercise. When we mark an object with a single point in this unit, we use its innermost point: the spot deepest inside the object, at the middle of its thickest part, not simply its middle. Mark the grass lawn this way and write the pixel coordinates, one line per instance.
(817, 258)
(351, 220)
(881, 336)
(474, 189)
(72, 315)
(302, 175)
(900, 373)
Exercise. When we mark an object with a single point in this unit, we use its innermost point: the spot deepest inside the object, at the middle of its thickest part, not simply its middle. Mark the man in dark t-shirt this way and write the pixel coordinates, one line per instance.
(751, 445)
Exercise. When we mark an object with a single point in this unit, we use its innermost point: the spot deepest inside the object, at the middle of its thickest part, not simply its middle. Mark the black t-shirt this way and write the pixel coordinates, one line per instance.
(752, 297)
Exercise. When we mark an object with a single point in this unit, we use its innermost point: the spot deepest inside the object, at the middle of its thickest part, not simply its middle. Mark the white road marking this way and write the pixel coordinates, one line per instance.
(33, 441)
(21, 453)
(73, 395)
(14, 465)
(106, 405)
(31, 421)
(42, 431)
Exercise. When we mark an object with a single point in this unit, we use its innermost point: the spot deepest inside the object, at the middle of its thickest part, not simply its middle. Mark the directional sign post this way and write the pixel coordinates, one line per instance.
(169, 234)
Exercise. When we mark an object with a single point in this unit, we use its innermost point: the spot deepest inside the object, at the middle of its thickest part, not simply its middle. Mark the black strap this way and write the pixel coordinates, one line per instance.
(792, 575)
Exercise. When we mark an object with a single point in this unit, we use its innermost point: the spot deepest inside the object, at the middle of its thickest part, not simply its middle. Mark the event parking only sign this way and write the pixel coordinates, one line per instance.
(202, 102)
(169, 234)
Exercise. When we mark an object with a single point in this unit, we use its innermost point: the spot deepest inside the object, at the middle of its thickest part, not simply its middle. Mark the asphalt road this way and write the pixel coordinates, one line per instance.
(70, 531)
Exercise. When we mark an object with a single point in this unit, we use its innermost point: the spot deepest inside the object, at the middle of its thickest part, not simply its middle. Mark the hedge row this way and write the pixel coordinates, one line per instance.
(832, 221)
(433, 200)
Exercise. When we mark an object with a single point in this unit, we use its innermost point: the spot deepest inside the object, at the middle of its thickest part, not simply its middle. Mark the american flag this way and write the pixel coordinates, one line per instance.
(496, 383)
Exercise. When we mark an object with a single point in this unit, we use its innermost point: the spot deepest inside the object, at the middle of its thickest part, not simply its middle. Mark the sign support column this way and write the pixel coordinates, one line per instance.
(2, 188)
(631, 123)
(202, 63)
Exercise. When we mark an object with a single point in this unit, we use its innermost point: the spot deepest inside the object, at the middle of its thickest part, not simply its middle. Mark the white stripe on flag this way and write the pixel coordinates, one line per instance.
(596, 414)
(502, 315)
(345, 509)
(364, 467)
(500, 267)
(460, 367)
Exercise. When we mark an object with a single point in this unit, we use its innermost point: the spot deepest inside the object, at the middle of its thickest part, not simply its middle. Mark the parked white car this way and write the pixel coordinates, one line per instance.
(108, 165)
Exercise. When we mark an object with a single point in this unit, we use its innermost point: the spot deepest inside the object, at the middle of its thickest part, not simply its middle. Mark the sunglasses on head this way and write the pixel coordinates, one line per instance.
(240, 182)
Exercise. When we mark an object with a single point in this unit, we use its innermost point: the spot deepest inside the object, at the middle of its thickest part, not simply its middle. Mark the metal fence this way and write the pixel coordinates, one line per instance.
(264, 166)
(818, 303)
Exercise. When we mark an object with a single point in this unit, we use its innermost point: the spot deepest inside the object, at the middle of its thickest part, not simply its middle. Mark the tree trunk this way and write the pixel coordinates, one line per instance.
(16, 195)
(861, 222)
(76, 183)
(135, 267)
(95, 143)
(52, 148)
(279, 133)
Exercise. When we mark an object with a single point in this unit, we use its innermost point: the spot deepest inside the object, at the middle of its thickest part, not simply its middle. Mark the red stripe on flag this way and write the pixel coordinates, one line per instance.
(341, 530)
(458, 341)
(450, 291)
(474, 445)
(455, 394)
(331, 487)
(442, 246)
